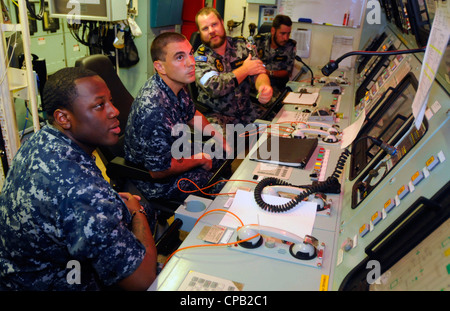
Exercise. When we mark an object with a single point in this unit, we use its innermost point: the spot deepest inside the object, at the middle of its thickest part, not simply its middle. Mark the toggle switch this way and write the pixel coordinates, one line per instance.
(347, 245)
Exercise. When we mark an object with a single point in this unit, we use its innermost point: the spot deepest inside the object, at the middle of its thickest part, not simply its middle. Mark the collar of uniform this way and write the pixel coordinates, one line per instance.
(264, 40)
(279, 48)
(49, 129)
(165, 88)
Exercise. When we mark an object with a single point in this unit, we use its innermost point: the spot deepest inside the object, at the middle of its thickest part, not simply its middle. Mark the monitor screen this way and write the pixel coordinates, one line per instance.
(389, 114)
(390, 123)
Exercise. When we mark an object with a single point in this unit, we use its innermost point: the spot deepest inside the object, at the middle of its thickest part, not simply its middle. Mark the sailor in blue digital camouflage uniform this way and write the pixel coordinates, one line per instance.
(62, 225)
(226, 69)
(158, 125)
(277, 51)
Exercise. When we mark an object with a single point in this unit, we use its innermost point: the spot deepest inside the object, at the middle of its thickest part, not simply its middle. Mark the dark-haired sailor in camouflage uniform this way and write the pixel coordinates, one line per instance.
(277, 51)
(161, 107)
(225, 72)
(62, 225)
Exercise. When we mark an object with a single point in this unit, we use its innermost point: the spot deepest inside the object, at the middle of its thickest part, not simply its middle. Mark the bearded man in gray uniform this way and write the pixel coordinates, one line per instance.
(226, 69)
(277, 51)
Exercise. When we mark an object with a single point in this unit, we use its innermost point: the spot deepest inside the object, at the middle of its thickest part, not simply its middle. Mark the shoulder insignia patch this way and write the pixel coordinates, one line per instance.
(201, 50)
(201, 58)
(219, 65)
(260, 53)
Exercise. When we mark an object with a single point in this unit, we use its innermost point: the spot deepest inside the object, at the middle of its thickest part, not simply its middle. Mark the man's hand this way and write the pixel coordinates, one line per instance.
(265, 93)
(145, 273)
(131, 201)
(206, 160)
(253, 66)
(228, 150)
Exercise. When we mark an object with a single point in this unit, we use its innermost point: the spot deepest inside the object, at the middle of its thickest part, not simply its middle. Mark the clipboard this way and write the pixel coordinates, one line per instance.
(291, 151)
(301, 98)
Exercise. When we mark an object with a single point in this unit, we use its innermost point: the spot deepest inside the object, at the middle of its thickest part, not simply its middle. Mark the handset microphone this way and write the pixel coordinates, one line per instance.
(391, 150)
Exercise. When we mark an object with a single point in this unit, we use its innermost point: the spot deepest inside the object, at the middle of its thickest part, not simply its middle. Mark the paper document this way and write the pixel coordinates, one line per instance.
(303, 39)
(437, 43)
(350, 132)
(301, 98)
(298, 220)
(342, 45)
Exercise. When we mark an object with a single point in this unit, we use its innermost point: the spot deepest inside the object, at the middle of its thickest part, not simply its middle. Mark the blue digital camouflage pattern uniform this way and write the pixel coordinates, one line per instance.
(148, 138)
(218, 87)
(55, 207)
(281, 58)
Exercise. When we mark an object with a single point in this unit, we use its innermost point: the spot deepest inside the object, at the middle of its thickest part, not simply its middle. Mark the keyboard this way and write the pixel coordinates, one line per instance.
(196, 281)
(293, 116)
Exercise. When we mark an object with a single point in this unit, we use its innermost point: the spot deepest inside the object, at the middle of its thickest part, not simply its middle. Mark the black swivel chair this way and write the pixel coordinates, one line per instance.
(195, 40)
(264, 28)
(192, 87)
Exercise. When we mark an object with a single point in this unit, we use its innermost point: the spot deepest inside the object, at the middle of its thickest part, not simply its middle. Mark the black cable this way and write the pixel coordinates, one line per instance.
(382, 53)
(298, 58)
(75, 30)
(331, 185)
(243, 22)
(333, 65)
(33, 13)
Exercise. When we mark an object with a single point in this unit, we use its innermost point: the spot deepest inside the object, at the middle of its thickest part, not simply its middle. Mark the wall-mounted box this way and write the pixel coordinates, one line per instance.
(92, 10)
(165, 12)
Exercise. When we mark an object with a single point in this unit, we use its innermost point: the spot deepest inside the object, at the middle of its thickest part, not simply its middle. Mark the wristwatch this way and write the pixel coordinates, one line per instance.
(141, 210)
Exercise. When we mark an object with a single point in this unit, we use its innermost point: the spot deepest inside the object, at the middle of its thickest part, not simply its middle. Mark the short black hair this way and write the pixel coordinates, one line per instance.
(60, 89)
(157, 49)
(281, 20)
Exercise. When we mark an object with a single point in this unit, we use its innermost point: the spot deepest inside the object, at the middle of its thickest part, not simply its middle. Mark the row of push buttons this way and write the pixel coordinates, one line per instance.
(402, 192)
(320, 165)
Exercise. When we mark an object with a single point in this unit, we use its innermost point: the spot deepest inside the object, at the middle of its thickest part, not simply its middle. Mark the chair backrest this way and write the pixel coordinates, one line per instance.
(192, 87)
(195, 40)
(103, 66)
(264, 28)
